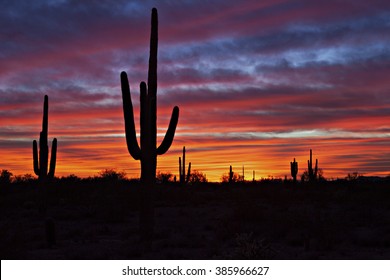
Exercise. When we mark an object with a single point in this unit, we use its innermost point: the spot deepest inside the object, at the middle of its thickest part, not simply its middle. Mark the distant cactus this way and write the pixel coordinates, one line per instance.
(231, 174)
(231, 177)
(312, 172)
(41, 164)
(182, 169)
(147, 152)
(294, 170)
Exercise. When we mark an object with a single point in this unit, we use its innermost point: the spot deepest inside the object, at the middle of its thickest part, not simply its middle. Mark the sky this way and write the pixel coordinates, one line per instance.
(258, 83)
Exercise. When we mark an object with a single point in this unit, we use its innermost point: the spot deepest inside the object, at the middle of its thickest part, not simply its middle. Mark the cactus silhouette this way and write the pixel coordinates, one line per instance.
(312, 172)
(294, 170)
(231, 174)
(41, 163)
(147, 151)
(182, 169)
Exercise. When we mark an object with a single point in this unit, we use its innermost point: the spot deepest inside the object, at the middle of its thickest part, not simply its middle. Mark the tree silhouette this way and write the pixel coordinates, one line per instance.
(197, 177)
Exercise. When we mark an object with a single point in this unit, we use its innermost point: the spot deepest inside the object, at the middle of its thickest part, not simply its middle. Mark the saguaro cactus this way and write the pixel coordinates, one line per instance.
(312, 172)
(294, 170)
(147, 152)
(182, 169)
(231, 174)
(41, 164)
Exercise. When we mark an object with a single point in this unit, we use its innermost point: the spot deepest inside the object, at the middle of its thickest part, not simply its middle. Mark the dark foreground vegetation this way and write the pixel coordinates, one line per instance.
(97, 218)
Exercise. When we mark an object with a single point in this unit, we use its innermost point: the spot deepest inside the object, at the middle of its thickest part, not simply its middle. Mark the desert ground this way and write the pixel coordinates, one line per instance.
(270, 219)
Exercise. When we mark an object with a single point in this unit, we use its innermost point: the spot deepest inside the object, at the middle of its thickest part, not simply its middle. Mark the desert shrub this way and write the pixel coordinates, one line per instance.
(5, 177)
(164, 177)
(197, 177)
(248, 247)
(23, 179)
(353, 176)
(236, 178)
(112, 175)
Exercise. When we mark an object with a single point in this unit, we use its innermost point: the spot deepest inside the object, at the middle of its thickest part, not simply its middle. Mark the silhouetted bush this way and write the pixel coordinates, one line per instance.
(164, 177)
(197, 177)
(111, 175)
(5, 177)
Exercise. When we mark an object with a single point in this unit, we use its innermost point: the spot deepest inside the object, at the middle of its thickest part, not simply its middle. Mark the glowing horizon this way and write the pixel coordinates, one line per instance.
(257, 83)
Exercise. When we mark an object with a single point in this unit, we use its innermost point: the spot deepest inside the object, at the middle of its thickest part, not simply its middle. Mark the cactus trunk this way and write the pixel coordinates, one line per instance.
(147, 151)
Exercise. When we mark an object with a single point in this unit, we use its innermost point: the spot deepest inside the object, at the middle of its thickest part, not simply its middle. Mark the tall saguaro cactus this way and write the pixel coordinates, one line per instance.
(294, 170)
(312, 172)
(41, 164)
(182, 169)
(147, 151)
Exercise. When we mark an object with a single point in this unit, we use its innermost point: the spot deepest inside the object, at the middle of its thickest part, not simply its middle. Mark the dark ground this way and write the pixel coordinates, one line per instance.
(268, 220)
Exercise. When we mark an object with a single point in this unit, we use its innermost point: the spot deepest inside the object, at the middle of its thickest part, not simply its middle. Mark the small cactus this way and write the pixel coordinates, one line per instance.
(231, 174)
(312, 172)
(294, 170)
(182, 169)
(41, 163)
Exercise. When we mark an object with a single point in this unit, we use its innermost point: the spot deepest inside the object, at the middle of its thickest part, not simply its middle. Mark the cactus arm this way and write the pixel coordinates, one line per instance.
(131, 138)
(189, 173)
(169, 135)
(53, 158)
(35, 158)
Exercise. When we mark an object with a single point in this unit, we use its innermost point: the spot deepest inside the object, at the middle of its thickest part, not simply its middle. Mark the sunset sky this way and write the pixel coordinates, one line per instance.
(257, 82)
